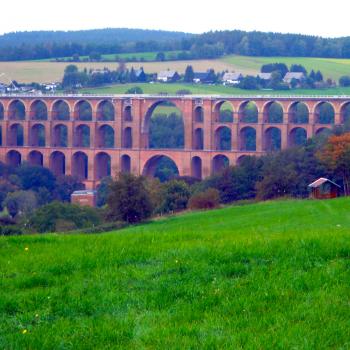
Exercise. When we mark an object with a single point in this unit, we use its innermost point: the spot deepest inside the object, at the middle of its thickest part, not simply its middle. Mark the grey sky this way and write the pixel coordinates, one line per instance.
(322, 17)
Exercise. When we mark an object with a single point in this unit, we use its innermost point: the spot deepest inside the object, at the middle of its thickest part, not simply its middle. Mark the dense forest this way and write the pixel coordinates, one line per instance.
(52, 44)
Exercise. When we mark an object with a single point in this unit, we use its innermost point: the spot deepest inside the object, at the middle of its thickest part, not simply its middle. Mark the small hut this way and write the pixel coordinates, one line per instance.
(84, 197)
(324, 189)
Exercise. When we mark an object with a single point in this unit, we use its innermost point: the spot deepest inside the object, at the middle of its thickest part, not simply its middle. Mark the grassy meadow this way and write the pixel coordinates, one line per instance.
(272, 275)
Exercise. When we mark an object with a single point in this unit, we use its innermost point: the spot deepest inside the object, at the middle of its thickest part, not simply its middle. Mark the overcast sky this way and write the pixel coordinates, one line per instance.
(318, 17)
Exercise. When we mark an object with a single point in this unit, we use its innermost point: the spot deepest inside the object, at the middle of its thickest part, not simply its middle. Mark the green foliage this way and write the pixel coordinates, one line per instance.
(275, 67)
(20, 203)
(103, 190)
(344, 81)
(134, 90)
(208, 199)
(175, 195)
(262, 276)
(129, 199)
(189, 74)
(63, 216)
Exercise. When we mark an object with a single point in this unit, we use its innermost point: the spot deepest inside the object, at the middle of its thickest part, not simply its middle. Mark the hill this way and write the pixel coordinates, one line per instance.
(262, 276)
(92, 36)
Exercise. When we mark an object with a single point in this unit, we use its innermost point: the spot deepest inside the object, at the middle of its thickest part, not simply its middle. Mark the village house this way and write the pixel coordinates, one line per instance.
(203, 77)
(265, 76)
(324, 188)
(296, 76)
(168, 76)
(232, 78)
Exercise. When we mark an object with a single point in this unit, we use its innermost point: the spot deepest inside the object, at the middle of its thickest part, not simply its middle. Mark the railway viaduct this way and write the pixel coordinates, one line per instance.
(92, 136)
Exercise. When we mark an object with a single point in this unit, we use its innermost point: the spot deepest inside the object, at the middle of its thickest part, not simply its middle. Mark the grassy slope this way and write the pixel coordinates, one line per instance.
(330, 67)
(209, 90)
(271, 275)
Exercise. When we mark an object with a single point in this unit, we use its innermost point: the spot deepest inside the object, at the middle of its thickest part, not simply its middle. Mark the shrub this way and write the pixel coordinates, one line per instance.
(175, 196)
(10, 231)
(205, 200)
(56, 216)
(129, 199)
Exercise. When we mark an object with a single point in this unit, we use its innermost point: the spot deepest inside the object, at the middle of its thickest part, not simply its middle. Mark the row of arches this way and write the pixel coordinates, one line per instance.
(105, 137)
(273, 112)
(102, 164)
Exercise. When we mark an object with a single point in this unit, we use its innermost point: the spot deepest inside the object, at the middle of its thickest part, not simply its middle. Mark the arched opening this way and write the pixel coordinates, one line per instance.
(297, 137)
(198, 139)
(323, 132)
(127, 114)
(220, 162)
(57, 163)
(298, 113)
(223, 139)
(13, 158)
(324, 113)
(248, 112)
(105, 111)
(105, 136)
(102, 165)
(273, 113)
(272, 140)
(163, 127)
(224, 112)
(80, 165)
(241, 160)
(196, 167)
(16, 135)
(247, 138)
(198, 115)
(35, 158)
(82, 136)
(125, 164)
(127, 138)
(162, 167)
(38, 110)
(60, 136)
(2, 112)
(345, 113)
(1, 142)
(60, 110)
(83, 111)
(17, 110)
(37, 135)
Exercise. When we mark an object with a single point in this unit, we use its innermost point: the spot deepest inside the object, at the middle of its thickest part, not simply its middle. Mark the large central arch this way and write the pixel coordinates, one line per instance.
(153, 165)
(168, 118)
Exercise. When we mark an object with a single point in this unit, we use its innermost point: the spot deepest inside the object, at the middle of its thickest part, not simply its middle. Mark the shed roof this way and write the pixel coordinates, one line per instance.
(166, 74)
(232, 76)
(319, 182)
(265, 76)
(83, 193)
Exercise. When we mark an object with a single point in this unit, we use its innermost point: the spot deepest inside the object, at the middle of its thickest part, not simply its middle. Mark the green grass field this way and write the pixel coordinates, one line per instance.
(199, 89)
(146, 56)
(273, 275)
(44, 71)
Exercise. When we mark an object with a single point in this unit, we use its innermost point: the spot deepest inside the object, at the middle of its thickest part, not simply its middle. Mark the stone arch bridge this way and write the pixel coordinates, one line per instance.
(68, 133)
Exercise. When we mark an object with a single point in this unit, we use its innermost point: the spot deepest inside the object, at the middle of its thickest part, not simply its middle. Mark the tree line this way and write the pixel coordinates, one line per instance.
(46, 45)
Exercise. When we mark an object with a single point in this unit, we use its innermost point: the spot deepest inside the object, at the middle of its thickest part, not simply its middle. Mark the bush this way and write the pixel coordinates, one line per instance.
(205, 200)
(344, 81)
(175, 196)
(129, 200)
(10, 231)
(63, 216)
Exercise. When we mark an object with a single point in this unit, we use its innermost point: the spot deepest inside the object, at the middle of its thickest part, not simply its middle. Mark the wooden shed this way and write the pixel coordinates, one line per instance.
(324, 189)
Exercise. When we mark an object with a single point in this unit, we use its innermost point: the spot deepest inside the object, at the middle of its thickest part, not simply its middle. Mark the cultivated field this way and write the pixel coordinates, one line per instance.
(273, 275)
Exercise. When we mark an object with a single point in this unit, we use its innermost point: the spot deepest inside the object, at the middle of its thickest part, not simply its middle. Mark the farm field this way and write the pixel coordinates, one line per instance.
(199, 89)
(45, 71)
(272, 275)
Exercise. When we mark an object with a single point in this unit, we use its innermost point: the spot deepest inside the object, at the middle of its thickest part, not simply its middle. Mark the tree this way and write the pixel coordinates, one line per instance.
(189, 74)
(71, 68)
(298, 68)
(175, 196)
(129, 199)
(344, 81)
(318, 76)
(20, 203)
(160, 56)
(336, 155)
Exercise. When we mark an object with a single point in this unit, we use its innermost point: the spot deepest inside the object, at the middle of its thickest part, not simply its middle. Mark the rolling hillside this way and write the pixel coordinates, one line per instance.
(262, 276)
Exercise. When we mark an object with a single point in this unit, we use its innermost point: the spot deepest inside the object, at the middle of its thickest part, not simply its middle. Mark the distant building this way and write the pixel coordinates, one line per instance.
(203, 77)
(265, 76)
(324, 189)
(140, 75)
(167, 76)
(298, 76)
(232, 78)
(84, 197)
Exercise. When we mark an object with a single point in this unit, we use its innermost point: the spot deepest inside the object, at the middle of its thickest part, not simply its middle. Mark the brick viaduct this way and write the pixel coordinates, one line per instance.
(69, 133)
